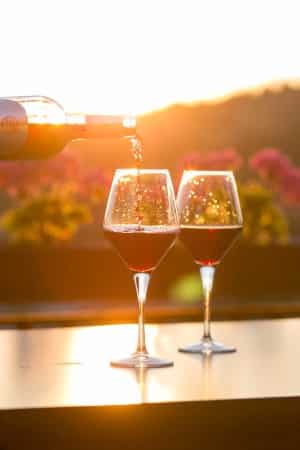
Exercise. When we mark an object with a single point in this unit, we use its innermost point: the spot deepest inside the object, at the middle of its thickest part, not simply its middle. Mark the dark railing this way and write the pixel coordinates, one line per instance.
(86, 284)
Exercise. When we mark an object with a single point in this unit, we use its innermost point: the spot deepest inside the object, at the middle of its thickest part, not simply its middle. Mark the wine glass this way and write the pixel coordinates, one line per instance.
(210, 220)
(141, 222)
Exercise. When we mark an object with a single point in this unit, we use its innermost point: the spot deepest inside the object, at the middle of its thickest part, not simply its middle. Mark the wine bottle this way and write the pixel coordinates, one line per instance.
(38, 127)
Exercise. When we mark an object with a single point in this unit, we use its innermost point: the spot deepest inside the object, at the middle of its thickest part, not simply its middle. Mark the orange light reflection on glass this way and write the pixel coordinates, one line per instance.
(41, 111)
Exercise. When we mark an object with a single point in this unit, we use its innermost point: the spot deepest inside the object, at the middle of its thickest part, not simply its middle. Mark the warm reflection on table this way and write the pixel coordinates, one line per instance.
(70, 366)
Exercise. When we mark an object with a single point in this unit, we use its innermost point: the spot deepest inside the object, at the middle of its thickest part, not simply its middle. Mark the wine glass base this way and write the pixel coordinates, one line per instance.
(207, 348)
(139, 361)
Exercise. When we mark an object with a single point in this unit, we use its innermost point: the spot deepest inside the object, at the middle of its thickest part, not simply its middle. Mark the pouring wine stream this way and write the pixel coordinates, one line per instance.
(137, 153)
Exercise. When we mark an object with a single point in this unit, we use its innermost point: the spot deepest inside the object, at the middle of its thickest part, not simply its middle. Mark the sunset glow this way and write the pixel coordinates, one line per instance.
(130, 57)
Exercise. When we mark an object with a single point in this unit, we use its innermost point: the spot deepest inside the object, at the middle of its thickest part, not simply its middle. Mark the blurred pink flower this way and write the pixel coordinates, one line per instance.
(271, 164)
(290, 187)
(20, 180)
(93, 181)
(191, 161)
(227, 159)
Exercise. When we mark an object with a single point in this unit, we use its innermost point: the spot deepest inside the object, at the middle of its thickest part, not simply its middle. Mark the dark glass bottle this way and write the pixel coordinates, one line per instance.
(37, 127)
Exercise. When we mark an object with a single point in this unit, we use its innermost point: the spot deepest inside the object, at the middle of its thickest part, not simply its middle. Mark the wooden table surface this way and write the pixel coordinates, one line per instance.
(49, 377)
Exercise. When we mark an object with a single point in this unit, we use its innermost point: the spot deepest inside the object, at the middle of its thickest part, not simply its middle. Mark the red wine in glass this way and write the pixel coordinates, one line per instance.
(142, 249)
(141, 222)
(211, 221)
(208, 245)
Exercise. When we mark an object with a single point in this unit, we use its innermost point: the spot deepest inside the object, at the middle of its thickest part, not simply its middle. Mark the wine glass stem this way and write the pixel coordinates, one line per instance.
(207, 274)
(141, 347)
(141, 281)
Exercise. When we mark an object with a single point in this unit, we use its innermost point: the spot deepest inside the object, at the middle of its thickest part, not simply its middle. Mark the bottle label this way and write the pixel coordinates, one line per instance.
(13, 127)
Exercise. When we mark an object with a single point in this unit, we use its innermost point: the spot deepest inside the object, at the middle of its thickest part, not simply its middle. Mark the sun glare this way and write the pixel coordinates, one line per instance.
(116, 57)
(89, 383)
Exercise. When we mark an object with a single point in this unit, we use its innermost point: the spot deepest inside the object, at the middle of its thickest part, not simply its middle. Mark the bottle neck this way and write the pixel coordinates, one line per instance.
(100, 129)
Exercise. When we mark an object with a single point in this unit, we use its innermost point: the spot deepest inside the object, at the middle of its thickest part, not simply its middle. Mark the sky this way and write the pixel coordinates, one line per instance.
(133, 56)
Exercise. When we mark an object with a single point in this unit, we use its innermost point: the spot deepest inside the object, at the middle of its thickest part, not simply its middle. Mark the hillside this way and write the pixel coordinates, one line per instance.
(247, 122)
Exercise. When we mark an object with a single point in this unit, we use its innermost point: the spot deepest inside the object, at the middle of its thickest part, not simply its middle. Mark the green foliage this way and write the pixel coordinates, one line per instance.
(264, 221)
(187, 289)
(46, 218)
